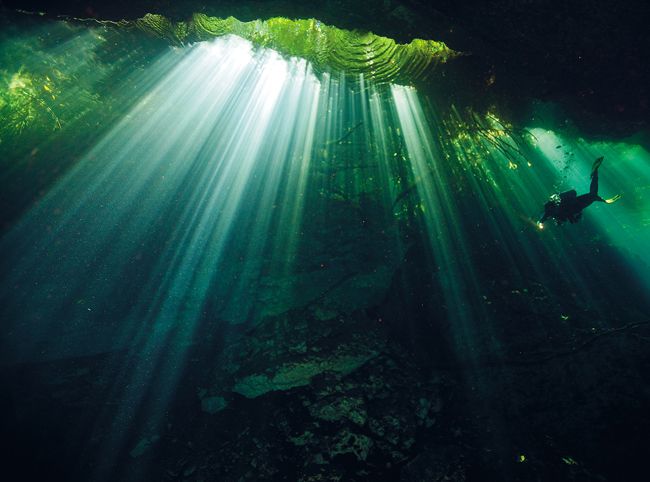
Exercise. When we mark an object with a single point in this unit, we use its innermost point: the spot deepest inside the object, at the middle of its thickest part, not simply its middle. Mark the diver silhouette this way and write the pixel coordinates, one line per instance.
(568, 206)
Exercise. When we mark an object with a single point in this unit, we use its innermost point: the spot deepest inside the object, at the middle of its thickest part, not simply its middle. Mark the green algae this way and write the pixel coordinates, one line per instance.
(292, 375)
(326, 47)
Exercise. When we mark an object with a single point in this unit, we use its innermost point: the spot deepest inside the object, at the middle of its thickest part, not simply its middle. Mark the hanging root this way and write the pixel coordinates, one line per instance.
(507, 140)
(346, 135)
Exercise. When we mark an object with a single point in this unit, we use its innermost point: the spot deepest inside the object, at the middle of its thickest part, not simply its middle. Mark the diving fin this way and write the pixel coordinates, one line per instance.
(613, 199)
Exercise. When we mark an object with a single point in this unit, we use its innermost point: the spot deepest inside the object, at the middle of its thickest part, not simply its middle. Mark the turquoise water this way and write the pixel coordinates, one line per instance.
(211, 251)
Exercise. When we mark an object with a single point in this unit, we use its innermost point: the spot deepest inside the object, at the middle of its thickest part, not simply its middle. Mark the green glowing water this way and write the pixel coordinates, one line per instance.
(158, 198)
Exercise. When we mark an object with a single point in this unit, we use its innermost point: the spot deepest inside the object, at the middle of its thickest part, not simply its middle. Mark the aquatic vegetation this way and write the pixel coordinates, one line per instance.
(299, 374)
(28, 101)
(47, 86)
(326, 47)
(481, 136)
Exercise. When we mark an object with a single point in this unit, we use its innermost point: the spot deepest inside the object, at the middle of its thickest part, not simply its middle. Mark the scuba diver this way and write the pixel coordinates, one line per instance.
(567, 206)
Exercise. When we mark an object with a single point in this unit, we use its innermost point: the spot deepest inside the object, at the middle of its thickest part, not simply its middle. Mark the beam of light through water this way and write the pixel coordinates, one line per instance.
(206, 207)
(200, 159)
(61, 88)
(177, 213)
(442, 219)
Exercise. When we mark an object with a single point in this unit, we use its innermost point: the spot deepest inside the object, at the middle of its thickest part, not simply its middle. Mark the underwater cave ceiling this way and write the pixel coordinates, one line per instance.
(327, 48)
(588, 56)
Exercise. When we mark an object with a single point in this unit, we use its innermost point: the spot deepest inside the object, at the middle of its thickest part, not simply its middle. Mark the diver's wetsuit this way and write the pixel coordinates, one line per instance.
(567, 206)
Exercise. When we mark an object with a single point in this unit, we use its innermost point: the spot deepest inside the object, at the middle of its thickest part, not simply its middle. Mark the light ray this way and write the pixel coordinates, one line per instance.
(443, 221)
(201, 157)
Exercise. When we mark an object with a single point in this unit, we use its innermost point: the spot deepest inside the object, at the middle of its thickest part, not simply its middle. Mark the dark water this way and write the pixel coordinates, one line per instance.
(218, 265)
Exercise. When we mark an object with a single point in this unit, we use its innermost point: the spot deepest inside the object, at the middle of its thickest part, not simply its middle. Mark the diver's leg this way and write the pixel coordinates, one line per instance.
(593, 187)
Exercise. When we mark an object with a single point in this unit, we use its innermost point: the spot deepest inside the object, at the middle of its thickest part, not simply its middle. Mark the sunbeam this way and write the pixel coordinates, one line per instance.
(217, 231)
(202, 157)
